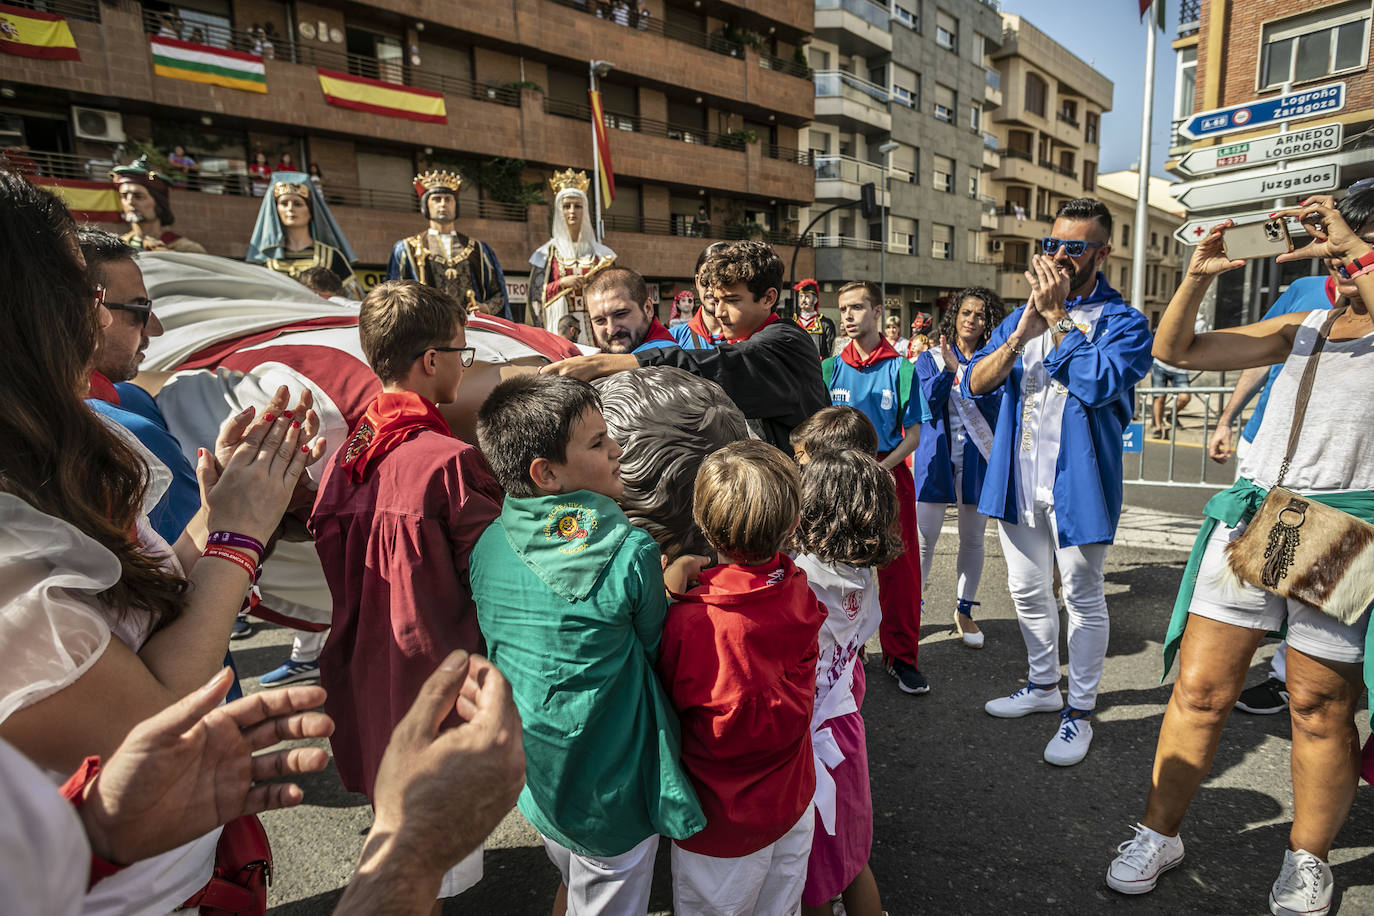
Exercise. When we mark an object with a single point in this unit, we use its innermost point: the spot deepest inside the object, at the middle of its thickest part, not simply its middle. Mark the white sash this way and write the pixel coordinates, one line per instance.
(975, 424)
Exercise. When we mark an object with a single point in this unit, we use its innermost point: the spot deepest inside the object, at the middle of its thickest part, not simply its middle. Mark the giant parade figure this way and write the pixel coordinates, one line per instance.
(562, 264)
(444, 258)
(295, 231)
(145, 204)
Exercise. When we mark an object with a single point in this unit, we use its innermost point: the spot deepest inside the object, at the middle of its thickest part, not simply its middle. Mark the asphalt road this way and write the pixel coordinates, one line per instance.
(968, 817)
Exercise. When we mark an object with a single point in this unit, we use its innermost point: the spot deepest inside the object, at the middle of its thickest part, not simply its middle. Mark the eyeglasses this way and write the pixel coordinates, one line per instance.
(141, 309)
(1049, 245)
(465, 354)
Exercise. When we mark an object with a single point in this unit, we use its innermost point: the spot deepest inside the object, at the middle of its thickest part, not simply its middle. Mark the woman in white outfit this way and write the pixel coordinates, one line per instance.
(951, 460)
(1218, 620)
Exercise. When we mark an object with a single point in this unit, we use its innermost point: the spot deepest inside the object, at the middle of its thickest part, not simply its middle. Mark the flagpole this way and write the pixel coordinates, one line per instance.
(596, 158)
(1142, 203)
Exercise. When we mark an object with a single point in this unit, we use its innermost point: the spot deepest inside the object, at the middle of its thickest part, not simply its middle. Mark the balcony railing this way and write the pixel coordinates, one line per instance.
(647, 126)
(870, 12)
(831, 83)
(1067, 118)
(1015, 153)
(72, 9)
(236, 182)
(284, 48)
(1189, 14)
(686, 226)
(787, 154)
(993, 78)
(699, 38)
(990, 141)
(904, 245)
(847, 168)
(785, 65)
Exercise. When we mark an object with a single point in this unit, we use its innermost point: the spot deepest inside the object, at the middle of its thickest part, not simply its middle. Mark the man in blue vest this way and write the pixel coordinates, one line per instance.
(1067, 364)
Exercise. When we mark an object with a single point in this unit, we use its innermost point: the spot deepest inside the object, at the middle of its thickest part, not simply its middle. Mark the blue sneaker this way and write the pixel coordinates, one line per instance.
(242, 628)
(290, 672)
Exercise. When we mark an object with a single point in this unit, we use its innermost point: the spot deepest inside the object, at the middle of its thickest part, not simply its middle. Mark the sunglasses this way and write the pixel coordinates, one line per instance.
(465, 354)
(141, 309)
(1049, 246)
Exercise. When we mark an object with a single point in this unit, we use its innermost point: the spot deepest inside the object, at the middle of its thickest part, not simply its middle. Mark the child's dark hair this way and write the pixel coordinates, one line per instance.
(755, 264)
(746, 500)
(849, 510)
(832, 428)
(529, 417)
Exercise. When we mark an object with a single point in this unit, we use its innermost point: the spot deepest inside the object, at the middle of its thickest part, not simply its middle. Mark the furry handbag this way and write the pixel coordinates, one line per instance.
(1299, 548)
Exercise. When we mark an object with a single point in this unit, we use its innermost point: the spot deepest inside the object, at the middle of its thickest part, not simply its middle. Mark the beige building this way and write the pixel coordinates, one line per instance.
(1048, 129)
(1165, 258)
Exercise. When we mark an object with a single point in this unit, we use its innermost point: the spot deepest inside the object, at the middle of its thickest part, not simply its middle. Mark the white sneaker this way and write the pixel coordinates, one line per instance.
(1142, 859)
(1070, 743)
(1304, 886)
(1025, 701)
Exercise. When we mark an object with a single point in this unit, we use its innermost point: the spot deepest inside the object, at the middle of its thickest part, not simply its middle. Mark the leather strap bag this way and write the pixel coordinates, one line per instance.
(1299, 548)
(243, 870)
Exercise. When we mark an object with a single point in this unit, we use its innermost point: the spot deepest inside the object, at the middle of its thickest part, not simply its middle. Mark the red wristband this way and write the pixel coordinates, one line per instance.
(74, 790)
(242, 560)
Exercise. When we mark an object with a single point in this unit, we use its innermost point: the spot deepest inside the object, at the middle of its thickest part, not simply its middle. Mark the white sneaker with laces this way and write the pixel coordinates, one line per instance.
(1071, 741)
(1304, 886)
(1142, 859)
(1025, 701)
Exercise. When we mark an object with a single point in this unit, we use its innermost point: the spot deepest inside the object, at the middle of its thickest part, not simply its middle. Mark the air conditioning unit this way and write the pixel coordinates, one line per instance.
(98, 124)
(995, 245)
(793, 213)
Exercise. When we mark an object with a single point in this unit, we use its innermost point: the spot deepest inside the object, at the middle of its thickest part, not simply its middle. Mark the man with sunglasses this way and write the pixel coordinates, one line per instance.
(399, 509)
(1066, 364)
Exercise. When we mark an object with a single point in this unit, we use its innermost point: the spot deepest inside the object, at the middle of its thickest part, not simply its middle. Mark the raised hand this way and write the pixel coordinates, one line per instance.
(1049, 283)
(947, 354)
(1209, 257)
(1332, 237)
(257, 483)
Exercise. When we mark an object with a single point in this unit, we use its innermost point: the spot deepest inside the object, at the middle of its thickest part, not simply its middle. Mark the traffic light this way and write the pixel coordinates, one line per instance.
(868, 201)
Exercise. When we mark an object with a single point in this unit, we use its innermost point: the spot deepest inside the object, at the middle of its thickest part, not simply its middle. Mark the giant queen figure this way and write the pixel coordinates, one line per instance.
(295, 231)
(563, 264)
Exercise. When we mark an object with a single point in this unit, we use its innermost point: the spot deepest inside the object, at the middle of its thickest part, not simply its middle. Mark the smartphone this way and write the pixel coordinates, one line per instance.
(1257, 240)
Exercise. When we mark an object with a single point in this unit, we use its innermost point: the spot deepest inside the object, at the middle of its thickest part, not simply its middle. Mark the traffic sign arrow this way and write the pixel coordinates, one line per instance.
(1251, 186)
(1303, 104)
(1195, 230)
(1296, 144)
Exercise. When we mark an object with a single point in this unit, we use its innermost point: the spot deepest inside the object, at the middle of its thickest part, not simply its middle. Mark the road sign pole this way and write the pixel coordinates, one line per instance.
(1142, 203)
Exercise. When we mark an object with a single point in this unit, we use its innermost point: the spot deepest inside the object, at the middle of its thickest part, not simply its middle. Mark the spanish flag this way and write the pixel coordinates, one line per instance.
(89, 201)
(30, 33)
(391, 99)
(604, 175)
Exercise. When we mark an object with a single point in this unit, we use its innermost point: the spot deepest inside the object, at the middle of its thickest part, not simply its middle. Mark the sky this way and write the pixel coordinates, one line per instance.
(1109, 35)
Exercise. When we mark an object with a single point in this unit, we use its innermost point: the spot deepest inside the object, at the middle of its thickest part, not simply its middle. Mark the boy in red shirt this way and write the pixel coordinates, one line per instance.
(738, 660)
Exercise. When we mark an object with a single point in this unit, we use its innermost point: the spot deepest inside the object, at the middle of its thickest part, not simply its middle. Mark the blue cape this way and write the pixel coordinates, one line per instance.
(269, 237)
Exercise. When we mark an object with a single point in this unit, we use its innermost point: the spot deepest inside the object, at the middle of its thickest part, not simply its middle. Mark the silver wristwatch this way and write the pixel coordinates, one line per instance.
(1063, 325)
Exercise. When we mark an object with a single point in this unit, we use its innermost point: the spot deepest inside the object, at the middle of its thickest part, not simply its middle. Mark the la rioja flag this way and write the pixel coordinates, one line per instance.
(604, 174)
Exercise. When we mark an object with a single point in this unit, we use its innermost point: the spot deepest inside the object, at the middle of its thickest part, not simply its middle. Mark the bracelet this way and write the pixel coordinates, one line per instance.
(240, 541)
(233, 556)
(1017, 350)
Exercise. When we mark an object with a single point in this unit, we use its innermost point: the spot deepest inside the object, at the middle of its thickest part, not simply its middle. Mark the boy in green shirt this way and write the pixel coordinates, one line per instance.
(570, 597)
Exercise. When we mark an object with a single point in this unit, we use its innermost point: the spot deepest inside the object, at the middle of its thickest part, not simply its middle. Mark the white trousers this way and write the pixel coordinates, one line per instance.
(307, 646)
(606, 885)
(768, 882)
(1031, 554)
(930, 517)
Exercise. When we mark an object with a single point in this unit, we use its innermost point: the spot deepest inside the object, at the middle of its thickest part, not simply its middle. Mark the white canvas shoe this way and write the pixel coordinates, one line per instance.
(1071, 741)
(1142, 859)
(1025, 701)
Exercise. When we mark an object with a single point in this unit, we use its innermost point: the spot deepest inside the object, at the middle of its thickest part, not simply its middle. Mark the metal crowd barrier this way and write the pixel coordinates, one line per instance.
(1169, 462)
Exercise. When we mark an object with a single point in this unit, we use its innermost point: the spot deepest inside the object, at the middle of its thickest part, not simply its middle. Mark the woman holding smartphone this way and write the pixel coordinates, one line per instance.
(1218, 624)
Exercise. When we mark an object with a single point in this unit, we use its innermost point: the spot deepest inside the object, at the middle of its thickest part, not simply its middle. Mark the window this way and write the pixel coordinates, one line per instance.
(975, 116)
(1312, 47)
(1154, 239)
(1036, 92)
(906, 87)
(1185, 83)
(820, 60)
(1125, 235)
(946, 31)
(901, 236)
(944, 174)
(942, 242)
(908, 13)
(1089, 174)
(1090, 127)
(972, 240)
(1125, 278)
(980, 47)
(944, 103)
(973, 183)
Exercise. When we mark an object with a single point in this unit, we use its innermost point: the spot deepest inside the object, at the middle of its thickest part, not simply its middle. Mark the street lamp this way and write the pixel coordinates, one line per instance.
(886, 149)
(597, 68)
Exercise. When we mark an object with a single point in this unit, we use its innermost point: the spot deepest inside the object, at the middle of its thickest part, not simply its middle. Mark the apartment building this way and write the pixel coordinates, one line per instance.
(1048, 134)
(1233, 53)
(902, 92)
(705, 105)
(1165, 256)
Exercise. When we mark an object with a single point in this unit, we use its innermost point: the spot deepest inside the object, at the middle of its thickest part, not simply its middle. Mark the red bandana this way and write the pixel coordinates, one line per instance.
(884, 350)
(810, 325)
(698, 326)
(772, 317)
(658, 332)
(388, 422)
(102, 389)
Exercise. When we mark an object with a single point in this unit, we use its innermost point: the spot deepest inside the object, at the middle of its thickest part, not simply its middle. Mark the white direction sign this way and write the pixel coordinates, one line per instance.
(1195, 230)
(1252, 186)
(1295, 144)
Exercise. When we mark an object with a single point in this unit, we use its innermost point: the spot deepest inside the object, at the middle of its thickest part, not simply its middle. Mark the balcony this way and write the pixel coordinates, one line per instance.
(1022, 224)
(1189, 14)
(899, 243)
(858, 27)
(992, 87)
(852, 103)
(992, 156)
(840, 178)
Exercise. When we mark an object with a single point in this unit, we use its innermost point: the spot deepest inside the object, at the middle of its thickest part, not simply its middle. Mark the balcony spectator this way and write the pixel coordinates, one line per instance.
(620, 12)
(183, 166)
(316, 177)
(642, 15)
(260, 172)
(285, 163)
(701, 223)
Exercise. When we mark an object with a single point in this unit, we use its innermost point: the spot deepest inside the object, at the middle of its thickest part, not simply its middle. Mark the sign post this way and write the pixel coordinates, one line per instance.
(1252, 186)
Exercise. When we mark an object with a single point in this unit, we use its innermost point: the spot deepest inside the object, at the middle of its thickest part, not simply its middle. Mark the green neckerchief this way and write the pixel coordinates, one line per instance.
(565, 539)
(1231, 507)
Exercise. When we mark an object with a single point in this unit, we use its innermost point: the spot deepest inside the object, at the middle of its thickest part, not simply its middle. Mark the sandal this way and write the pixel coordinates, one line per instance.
(971, 635)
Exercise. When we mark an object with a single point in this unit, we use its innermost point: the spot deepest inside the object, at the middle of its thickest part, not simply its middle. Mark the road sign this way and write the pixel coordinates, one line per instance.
(1295, 144)
(1303, 104)
(1193, 231)
(1252, 186)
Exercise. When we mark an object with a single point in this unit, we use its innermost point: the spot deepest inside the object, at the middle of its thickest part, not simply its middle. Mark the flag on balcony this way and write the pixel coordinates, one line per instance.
(377, 97)
(1160, 8)
(188, 60)
(604, 175)
(89, 201)
(30, 33)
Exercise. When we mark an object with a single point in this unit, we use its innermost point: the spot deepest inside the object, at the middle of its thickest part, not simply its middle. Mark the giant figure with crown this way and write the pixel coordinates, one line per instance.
(563, 263)
(295, 231)
(443, 257)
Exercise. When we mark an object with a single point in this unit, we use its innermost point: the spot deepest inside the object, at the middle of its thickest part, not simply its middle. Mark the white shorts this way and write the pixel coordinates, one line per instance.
(1220, 596)
(608, 885)
(768, 882)
(462, 876)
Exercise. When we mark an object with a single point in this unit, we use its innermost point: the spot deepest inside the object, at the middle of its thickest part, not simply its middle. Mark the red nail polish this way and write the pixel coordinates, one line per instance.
(295, 424)
(267, 417)
(305, 448)
(287, 414)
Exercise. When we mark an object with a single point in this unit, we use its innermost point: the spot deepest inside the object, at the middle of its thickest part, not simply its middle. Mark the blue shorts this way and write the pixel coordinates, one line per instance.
(1168, 378)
